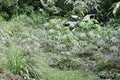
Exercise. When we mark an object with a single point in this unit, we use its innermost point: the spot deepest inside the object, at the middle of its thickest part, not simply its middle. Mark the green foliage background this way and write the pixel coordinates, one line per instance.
(11, 8)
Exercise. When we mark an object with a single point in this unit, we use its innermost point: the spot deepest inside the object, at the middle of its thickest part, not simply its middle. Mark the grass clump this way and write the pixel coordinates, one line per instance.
(19, 63)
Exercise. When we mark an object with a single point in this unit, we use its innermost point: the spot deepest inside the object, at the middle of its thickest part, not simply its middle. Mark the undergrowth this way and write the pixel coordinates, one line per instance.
(28, 46)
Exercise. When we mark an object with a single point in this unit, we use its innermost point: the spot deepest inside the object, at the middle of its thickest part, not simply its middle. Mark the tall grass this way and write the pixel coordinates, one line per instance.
(19, 63)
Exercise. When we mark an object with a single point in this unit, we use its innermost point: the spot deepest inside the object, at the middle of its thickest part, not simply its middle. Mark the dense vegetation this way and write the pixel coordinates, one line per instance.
(59, 39)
